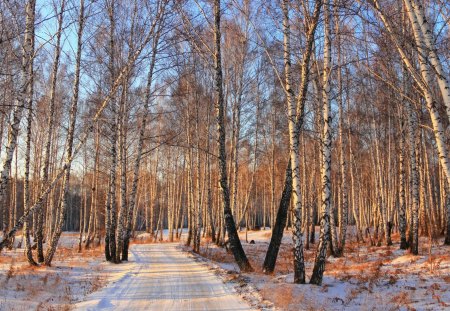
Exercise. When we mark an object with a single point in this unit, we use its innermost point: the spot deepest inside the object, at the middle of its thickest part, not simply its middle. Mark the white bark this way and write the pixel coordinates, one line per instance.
(319, 264)
(299, 266)
(425, 82)
(19, 104)
(425, 41)
(69, 144)
(50, 125)
(41, 196)
(29, 39)
(137, 163)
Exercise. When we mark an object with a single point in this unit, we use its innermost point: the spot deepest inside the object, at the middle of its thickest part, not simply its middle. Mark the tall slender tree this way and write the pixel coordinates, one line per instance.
(235, 243)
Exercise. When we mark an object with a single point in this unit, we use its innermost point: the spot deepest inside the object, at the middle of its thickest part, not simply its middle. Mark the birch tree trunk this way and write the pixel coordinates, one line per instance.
(19, 104)
(319, 263)
(294, 133)
(402, 198)
(412, 129)
(425, 41)
(28, 40)
(110, 211)
(198, 206)
(123, 116)
(93, 204)
(208, 178)
(43, 195)
(235, 243)
(343, 214)
(137, 162)
(280, 224)
(50, 125)
(235, 149)
(190, 184)
(69, 144)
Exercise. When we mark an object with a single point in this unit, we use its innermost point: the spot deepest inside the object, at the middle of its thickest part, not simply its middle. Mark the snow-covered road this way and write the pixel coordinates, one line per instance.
(162, 277)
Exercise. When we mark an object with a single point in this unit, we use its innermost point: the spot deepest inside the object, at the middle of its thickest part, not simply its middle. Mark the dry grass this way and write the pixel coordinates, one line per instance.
(446, 279)
(366, 270)
(93, 251)
(401, 299)
(217, 254)
(97, 283)
(267, 234)
(281, 298)
(285, 260)
(142, 240)
(10, 273)
(7, 259)
(54, 287)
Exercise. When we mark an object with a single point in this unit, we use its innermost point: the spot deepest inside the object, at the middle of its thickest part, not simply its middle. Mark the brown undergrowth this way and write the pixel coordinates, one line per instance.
(72, 275)
(366, 272)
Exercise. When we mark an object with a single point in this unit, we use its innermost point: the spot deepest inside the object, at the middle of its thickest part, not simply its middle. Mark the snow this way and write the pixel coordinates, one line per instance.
(72, 276)
(167, 276)
(366, 278)
(162, 277)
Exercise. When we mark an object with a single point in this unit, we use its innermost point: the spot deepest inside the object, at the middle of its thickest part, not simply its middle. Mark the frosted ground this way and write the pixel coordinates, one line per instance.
(367, 278)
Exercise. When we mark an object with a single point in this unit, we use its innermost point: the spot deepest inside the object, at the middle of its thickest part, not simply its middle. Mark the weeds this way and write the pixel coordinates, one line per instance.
(10, 273)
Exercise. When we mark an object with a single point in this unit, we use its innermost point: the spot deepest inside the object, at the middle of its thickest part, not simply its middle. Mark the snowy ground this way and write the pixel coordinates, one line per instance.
(367, 278)
(72, 276)
(157, 277)
(161, 276)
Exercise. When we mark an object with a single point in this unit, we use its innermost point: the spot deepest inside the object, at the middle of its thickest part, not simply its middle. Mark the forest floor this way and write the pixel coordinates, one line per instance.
(71, 277)
(366, 278)
(158, 276)
(163, 277)
(162, 274)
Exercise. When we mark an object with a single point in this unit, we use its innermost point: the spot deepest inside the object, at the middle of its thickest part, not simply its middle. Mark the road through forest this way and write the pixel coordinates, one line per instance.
(163, 277)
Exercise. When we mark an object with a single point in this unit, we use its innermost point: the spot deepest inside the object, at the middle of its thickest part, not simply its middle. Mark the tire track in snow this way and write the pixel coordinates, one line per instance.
(165, 278)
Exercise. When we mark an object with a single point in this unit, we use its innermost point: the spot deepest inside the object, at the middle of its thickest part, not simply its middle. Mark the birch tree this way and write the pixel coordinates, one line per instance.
(25, 80)
(28, 44)
(235, 243)
(147, 101)
(69, 144)
(319, 263)
(424, 81)
(50, 125)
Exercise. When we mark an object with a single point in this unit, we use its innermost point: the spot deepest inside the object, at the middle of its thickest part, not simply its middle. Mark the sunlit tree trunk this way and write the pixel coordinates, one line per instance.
(122, 159)
(235, 243)
(426, 44)
(28, 44)
(294, 133)
(402, 178)
(208, 177)
(424, 81)
(91, 230)
(280, 224)
(319, 263)
(190, 182)
(69, 144)
(198, 204)
(137, 162)
(414, 178)
(110, 211)
(343, 211)
(20, 102)
(50, 126)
